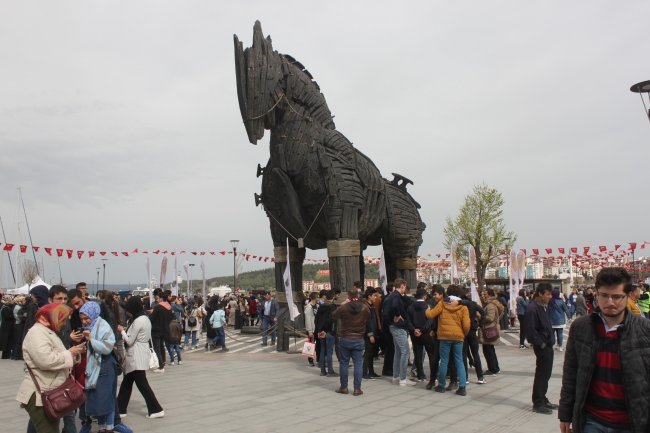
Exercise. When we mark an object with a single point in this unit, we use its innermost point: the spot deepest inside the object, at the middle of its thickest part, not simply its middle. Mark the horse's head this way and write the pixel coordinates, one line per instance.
(267, 80)
(259, 72)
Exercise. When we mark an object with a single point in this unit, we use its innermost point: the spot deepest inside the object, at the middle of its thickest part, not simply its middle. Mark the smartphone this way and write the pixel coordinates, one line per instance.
(80, 330)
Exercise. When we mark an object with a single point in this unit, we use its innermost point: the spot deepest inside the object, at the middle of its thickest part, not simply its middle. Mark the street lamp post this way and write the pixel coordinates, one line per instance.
(636, 276)
(189, 285)
(234, 263)
(641, 88)
(97, 283)
(104, 276)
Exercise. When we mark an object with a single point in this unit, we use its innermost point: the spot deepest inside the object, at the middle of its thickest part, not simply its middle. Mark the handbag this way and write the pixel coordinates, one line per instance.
(491, 333)
(153, 358)
(61, 400)
(309, 349)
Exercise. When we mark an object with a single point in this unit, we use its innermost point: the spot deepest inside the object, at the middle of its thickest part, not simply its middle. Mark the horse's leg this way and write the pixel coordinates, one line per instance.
(344, 252)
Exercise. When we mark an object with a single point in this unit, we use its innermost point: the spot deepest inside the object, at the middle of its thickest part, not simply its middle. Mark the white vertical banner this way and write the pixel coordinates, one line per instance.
(163, 271)
(454, 264)
(383, 278)
(293, 310)
(203, 272)
(175, 279)
(472, 274)
(147, 264)
(186, 268)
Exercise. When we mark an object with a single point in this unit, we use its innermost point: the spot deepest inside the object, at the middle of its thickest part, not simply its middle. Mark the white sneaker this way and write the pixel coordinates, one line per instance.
(560, 349)
(171, 363)
(406, 382)
(396, 379)
(156, 415)
(122, 415)
(159, 370)
(180, 362)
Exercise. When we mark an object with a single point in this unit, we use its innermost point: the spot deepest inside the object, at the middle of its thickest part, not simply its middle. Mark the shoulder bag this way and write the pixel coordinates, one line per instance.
(153, 358)
(491, 333)
(61, 400)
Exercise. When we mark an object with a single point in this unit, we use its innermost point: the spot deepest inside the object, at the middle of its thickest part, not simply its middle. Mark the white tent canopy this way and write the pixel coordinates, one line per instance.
(24, 290)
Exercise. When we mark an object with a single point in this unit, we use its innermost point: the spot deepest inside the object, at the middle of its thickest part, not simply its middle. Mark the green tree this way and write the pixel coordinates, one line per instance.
(480, 224)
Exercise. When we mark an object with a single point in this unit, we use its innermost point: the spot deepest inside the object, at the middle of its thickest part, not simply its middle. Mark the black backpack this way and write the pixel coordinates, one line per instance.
(191, 320)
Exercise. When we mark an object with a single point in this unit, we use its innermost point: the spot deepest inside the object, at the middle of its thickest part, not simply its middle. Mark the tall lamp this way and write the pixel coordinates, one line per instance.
(234, 263)
(97, 281)
(641, 88)
(104, 276)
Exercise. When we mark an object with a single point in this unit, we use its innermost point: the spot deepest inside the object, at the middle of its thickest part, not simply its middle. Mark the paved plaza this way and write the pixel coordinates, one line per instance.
(277, 392)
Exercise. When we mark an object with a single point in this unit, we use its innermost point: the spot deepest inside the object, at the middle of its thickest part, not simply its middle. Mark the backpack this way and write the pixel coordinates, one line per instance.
(191, 320)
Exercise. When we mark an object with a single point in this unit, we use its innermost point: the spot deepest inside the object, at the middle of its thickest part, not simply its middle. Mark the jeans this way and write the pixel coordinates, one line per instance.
(351, 348)
(69, 425)
(451, 348)
(368, 357)
(471, 346)
(221, 335)
(326, 350)
(543, 370)
(522, 335)
(559, 332)
(187, 337)
(105, 422)
(267, 322)
(593, 426)
(174, 347)
(421, 344)
(491, 359)
(402, 352)
(159, 348)
(140, 379)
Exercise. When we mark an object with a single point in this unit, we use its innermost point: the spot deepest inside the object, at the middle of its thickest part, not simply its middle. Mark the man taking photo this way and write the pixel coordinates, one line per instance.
(605, 364)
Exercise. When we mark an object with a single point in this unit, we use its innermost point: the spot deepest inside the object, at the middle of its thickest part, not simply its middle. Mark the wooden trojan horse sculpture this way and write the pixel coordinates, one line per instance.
(317, 189)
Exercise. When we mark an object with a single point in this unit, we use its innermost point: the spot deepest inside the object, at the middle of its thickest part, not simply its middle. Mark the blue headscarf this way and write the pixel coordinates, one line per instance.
(92, 310)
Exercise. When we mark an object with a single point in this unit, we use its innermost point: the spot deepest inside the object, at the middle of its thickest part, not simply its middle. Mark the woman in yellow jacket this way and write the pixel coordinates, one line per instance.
(453, 326)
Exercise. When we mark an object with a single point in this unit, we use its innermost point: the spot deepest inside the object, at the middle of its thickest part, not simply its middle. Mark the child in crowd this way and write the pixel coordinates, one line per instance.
(217, 321)
(174, 340)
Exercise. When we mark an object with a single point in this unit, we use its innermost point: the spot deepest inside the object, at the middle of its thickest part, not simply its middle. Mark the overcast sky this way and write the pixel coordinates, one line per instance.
(120, 120)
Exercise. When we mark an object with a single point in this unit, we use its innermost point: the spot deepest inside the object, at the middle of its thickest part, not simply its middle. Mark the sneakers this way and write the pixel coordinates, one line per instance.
(375, 375)
(421, 379)
(159, 370)
(560, 349)
(264, 344)
(395, 379)
(123, 415)
(461, 391)
(224, 349)
(367, 378)
(171, 363)
(332, 374)
(489, 373)
(439, 389)
(180, 362)
(481, 381)
(523, 346)
(322, 373)
(407, 382)
(156, 415)
(121, 428)
(543, 410)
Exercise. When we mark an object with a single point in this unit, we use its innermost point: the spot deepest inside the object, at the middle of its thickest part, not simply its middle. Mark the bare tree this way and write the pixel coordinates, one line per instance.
(30, 270)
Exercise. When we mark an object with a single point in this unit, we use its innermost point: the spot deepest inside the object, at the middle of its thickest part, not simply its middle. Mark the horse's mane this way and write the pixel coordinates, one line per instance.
(302, 90)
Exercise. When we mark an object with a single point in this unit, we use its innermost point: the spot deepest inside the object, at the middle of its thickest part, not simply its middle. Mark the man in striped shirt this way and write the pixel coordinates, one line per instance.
(605, 383)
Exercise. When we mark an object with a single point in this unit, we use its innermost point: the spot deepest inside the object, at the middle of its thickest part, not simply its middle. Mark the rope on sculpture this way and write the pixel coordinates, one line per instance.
(308, 230)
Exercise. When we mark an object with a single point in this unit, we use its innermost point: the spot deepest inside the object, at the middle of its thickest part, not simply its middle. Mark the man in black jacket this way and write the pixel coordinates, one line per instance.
(539, 332)
(324, 328)
(606, 381)
(160, 317)
(370, 338)
(421, 336)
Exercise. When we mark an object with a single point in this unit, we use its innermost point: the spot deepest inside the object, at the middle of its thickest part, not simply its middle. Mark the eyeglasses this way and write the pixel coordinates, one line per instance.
(615, 298)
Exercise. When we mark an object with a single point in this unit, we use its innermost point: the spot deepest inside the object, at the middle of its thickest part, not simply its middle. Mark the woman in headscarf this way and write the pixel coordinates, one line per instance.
(136, 341)
(39, 299)
(20, 313)
(7, 326)
(558, 312)
(101, 368)
(49, 361)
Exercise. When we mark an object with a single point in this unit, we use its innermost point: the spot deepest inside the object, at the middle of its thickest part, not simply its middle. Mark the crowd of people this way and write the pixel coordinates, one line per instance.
(60, 333)
(609, 331)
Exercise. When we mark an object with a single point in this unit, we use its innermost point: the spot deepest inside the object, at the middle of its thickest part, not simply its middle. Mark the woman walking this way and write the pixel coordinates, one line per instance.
(522, 304)
(136, 341)
(493, 314)
(101, 368)
(49, 361)
(192, 323)
(558, 312)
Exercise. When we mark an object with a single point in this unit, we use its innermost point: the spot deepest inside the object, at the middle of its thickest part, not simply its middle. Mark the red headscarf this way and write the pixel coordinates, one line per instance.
(55, 314)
